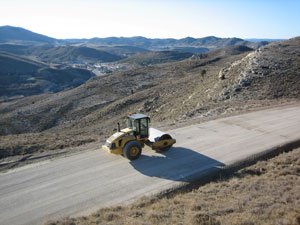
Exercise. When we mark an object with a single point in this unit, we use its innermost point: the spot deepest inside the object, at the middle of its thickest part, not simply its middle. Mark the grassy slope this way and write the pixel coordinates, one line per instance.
(265, 193)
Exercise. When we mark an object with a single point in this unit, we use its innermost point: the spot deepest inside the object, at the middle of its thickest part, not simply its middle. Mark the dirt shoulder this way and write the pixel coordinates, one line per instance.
(264, 193)
(36, 157)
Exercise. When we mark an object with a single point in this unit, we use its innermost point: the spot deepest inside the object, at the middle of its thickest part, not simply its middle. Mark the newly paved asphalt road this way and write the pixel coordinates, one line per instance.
(84, 182)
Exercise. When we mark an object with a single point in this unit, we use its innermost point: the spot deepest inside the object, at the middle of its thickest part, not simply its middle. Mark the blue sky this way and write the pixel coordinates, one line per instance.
(155, 18)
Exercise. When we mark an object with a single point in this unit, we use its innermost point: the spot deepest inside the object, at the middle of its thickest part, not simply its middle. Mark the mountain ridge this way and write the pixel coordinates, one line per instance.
(19, 34)
(10, 34)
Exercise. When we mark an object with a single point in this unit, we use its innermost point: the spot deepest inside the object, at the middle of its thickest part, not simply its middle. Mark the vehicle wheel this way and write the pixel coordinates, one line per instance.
(167, 148)
(132, 150)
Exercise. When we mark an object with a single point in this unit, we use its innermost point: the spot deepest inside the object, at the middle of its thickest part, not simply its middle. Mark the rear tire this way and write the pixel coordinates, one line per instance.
(132, 150)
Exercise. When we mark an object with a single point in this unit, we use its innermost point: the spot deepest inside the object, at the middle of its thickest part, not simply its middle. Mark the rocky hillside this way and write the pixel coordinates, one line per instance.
(275, 67)
(202, 87)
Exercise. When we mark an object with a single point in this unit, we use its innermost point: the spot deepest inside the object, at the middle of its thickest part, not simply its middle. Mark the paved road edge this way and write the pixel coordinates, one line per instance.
(215, 173)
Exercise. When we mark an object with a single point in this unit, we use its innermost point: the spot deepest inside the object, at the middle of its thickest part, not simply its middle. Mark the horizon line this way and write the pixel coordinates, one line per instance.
(135, 36)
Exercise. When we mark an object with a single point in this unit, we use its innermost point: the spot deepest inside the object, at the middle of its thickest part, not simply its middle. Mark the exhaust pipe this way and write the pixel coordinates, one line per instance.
(119, 127)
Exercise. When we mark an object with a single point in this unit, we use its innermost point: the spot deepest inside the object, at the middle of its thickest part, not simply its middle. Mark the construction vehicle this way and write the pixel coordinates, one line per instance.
(130, 141)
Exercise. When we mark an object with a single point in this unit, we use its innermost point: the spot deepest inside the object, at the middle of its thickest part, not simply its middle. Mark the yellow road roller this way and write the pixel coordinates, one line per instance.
(130, 141)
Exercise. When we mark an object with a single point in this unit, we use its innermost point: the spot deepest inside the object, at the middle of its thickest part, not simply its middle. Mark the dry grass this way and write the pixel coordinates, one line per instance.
(265, 193)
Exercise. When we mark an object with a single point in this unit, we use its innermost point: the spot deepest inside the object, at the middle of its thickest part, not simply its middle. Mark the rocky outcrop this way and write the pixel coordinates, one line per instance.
(272, 65)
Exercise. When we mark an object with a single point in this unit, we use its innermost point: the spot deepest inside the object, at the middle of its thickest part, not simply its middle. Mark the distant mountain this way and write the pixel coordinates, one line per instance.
(22, 76)
(17, 35)
(210, 42)
(9, 34)
(264, 40)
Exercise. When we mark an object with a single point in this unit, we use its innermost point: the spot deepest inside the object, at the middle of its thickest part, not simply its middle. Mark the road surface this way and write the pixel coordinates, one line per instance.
(81, 183)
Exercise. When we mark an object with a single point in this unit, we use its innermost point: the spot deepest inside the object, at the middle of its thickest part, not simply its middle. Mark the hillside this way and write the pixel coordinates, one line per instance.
(10, 34)
(11, 63)
(121, 50)
(21, 76)
(74, 54)
(157, 57)
(17, 49)
(276, 67)
(89, 112)
(62, 54)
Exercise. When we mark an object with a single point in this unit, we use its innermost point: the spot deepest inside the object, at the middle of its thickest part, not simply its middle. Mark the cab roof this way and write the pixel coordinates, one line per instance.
(138, 116)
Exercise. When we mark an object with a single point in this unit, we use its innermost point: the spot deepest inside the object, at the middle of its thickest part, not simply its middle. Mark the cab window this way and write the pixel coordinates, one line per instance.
(144, 127)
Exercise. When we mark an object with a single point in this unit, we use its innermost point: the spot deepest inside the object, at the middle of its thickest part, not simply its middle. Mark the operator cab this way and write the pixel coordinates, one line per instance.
(139, 123)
